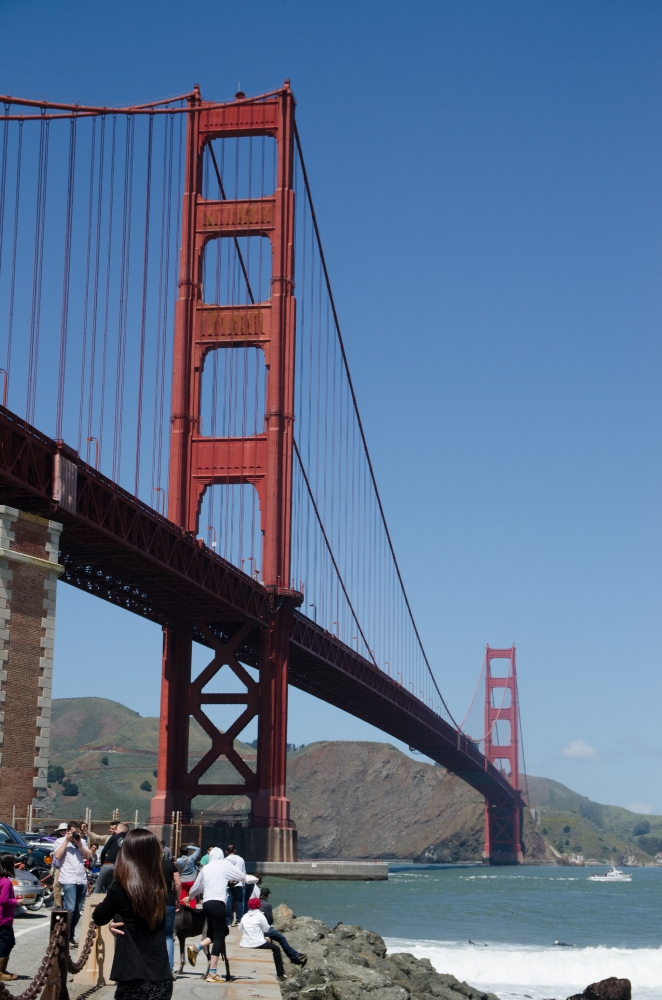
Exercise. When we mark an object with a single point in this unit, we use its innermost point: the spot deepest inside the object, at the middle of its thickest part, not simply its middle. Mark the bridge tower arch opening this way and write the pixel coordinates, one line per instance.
(262, 459)
(503, 818)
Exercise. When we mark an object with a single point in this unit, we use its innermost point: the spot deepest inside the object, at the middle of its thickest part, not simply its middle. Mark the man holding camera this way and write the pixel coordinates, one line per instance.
(71, 852)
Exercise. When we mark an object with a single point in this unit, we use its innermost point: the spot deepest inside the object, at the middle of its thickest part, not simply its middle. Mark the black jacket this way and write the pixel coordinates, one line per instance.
(141, 953)
(267, 909)
(111, 849)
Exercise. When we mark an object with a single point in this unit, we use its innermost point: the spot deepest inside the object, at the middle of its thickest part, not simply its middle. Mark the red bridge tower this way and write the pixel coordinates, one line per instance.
(263, 460)
(503, 820)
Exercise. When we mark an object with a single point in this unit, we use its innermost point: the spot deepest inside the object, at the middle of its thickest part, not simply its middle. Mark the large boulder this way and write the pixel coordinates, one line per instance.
(606, 989)
(350, 963)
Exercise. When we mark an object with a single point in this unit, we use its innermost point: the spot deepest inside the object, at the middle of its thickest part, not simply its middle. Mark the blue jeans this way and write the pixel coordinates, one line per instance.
(73, 897)
(170, 937)
(235, 896)
(283, 942)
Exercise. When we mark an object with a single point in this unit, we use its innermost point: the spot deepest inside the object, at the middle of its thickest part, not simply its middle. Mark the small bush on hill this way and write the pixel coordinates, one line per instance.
(55, 773)
(146, 787)
(69, 788)
(651, 845)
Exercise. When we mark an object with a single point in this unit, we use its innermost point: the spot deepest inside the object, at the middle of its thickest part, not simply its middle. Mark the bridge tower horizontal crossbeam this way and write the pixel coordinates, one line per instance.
(264, 460)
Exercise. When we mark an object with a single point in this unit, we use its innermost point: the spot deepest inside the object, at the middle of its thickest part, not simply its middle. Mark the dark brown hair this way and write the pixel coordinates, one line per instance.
(138, 870)
(7, 865)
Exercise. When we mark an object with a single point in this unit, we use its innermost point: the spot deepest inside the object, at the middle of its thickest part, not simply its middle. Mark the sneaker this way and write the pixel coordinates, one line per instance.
(213, 977)
(72, 943)
(192, 954)
(285, 976)
(301, 959)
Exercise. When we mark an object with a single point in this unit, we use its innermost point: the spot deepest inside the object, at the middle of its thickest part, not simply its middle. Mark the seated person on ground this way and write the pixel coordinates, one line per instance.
(254, 926)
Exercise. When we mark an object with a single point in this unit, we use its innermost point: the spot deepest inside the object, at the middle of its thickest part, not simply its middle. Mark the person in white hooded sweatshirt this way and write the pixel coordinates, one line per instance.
(254, 926)
(212, 884)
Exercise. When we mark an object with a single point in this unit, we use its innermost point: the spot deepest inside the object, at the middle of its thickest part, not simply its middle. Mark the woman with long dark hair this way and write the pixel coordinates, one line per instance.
(136, 903)
(8, 904)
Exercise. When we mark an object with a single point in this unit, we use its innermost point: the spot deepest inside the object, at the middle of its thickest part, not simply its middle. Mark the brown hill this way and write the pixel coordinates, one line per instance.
(369, 800)
(349, 799)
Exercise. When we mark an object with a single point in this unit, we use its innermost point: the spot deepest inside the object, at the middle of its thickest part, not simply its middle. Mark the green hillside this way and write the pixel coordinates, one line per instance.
(595, 830)
(108, 751)
(349, 798)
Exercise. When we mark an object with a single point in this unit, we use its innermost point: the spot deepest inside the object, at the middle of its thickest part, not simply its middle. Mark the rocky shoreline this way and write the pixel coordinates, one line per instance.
(349, 963)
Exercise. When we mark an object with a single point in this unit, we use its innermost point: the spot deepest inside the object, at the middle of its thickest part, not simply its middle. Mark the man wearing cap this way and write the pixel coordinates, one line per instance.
(72, 853)
(57, 888)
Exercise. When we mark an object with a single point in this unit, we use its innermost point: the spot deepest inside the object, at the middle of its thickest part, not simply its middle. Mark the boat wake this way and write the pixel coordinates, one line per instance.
(514, 971)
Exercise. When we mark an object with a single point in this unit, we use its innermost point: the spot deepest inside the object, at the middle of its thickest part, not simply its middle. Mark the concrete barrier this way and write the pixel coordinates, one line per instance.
(357, 871)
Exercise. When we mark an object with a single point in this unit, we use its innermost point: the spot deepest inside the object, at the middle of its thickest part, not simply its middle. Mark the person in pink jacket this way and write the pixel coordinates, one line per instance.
(8, 904)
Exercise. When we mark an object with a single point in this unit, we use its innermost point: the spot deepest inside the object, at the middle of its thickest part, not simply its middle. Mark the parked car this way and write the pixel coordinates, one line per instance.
(39, 841)
(12, 842)
(30, 888)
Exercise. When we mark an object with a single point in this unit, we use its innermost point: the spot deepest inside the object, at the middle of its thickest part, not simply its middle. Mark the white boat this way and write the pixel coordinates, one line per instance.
(613, 875)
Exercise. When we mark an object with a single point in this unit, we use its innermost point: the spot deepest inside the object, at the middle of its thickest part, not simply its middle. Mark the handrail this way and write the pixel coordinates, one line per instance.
(51, 976)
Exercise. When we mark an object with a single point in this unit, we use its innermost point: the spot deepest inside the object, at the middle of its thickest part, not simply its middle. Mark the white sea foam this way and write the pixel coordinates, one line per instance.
(518, 970)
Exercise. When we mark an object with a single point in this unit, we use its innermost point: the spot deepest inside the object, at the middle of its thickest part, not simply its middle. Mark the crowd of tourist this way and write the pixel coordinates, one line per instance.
(144, 888)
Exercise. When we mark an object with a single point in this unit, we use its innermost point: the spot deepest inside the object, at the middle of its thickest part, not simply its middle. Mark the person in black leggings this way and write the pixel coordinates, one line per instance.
(212, 883)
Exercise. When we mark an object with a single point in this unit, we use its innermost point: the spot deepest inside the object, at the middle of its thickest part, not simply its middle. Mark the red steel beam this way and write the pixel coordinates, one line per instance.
(124, 552)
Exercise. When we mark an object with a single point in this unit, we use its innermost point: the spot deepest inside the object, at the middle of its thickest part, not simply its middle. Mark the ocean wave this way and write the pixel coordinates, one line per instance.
(516, 970)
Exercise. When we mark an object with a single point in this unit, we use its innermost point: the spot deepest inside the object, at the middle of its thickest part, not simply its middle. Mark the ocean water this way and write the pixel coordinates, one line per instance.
(497, 928)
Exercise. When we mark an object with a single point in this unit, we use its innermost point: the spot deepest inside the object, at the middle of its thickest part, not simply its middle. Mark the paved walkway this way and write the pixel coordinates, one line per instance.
(253, 970)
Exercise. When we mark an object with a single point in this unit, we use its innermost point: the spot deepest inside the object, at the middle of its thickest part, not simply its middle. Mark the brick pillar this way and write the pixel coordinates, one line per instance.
(29, 571)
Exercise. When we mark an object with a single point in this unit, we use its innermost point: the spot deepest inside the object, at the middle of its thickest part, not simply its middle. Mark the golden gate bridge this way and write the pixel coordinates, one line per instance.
(176, 393)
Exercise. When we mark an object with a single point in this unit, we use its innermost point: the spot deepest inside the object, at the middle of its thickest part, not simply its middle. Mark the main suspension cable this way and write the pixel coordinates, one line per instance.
(360, 423)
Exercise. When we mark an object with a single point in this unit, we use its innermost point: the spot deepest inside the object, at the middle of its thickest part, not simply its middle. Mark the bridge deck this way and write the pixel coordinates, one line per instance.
(123, 551)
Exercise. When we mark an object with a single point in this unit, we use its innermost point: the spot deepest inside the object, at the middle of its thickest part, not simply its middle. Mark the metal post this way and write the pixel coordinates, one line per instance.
(172, 767)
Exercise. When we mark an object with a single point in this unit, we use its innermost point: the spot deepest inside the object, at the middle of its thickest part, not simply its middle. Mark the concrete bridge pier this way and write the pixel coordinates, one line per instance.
(29, 571)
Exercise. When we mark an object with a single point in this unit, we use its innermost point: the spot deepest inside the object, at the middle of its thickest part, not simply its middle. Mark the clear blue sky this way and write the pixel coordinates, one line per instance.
(487, 179)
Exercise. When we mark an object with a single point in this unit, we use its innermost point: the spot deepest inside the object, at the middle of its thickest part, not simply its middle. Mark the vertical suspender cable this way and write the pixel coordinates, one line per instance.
(3, 181)
(86, 295)
(95, 295)
(120, 366)
(64, 320)
(12, 280)
(37, 271)
(143, 318)
(109, 246)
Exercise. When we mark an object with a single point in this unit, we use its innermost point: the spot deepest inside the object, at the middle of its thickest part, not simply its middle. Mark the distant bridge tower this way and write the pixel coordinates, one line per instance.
(503, 820)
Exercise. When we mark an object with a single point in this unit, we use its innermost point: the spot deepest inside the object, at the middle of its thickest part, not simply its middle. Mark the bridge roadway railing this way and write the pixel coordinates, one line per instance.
(322, 665)
(123, 551)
